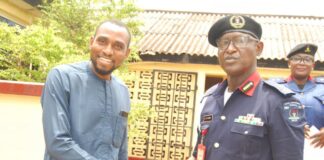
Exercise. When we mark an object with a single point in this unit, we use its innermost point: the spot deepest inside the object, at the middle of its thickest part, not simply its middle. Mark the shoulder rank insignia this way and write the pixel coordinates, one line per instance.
(278, 80)
(319, 80)
(282, 89)
(209, 92)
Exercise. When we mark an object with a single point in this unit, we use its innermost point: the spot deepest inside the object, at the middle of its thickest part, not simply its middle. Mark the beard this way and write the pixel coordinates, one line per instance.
(101, 71)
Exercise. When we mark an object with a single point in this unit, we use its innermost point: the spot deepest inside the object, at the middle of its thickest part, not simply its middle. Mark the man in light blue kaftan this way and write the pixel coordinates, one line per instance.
(85, 107)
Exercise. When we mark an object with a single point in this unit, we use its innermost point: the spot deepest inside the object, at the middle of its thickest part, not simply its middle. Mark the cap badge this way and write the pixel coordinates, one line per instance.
(237, 21)
(308, 50)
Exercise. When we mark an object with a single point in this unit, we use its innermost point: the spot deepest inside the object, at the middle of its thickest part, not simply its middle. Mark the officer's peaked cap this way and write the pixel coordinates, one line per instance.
(306, 48)
(234, 23)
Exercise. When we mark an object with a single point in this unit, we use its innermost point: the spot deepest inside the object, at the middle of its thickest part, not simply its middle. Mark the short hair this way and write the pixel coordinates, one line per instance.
(118, 23)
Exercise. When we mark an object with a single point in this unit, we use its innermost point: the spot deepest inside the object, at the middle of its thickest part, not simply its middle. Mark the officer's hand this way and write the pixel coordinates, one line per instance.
(318, 139)
(306, 131)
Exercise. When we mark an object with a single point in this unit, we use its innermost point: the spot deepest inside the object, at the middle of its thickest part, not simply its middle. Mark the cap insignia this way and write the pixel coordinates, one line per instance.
(308, 50)
(237, 21)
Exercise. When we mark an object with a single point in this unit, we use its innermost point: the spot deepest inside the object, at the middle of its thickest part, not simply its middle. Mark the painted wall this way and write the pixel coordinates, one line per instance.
(21, 127)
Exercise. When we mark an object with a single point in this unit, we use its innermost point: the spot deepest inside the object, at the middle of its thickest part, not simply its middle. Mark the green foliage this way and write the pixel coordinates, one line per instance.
(140, 112)
(139, 116)
(72, 18)
(77, 19)
(27, 54)
(61, 35)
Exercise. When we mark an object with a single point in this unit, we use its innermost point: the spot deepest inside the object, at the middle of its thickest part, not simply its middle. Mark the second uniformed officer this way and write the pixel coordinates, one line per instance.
(244, 117)
(309, 90)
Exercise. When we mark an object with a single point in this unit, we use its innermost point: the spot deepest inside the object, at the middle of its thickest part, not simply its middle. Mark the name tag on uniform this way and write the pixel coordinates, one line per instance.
(207, 118)
(249, 119)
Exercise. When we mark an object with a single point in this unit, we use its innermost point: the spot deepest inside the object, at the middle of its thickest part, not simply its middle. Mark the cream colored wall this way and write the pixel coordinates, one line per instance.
(18, 11)
(21, 127)
(210, 70)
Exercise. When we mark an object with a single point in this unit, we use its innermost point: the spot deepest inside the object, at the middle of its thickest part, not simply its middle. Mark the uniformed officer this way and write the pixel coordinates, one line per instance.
(244, 117)
(310, 91)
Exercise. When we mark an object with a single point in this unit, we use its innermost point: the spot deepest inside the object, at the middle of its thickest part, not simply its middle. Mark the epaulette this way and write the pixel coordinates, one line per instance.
(319, 80)
(211, 90)
(282, 89)
(278, 80)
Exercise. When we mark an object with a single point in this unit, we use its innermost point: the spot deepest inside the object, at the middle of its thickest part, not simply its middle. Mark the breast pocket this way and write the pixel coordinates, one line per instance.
(249, 138)
(120, 129)
(248, 130)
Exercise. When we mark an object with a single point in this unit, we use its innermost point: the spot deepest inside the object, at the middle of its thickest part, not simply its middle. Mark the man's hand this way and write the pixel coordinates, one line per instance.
(318, 139)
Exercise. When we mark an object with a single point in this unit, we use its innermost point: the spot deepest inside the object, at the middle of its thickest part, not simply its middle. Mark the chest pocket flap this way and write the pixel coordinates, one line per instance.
(249, 130)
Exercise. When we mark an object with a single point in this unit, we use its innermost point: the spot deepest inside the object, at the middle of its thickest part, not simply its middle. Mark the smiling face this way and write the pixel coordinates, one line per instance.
(301, 65)
(109, 48)
(239, 57)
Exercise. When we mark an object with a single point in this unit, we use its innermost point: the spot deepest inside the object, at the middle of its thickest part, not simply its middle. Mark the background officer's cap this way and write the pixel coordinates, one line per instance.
(306, 48)
(234, 23)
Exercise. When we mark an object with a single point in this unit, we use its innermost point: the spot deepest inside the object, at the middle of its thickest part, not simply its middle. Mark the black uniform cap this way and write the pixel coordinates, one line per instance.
(234, 23)
(306, 48)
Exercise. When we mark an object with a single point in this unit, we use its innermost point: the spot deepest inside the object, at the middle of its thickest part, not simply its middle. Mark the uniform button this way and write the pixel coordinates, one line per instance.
(246, 132)
(223, 118)
(216, 145)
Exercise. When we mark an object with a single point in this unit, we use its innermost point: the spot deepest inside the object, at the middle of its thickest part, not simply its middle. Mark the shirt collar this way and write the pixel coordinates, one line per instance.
(291, 78)
(249, 85)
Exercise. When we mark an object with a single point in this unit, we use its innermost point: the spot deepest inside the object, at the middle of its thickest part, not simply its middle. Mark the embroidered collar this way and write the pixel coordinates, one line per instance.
(249, 85)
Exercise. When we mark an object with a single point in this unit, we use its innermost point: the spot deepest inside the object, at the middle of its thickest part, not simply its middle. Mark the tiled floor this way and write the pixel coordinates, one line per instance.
(21, 134)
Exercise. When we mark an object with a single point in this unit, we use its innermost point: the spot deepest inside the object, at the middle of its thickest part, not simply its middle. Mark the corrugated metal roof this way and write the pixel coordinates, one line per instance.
(175, 33)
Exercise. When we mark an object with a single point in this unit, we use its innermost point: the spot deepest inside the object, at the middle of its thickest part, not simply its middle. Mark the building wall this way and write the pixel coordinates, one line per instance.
(21, 127)
(210, 70)
(171, 95)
